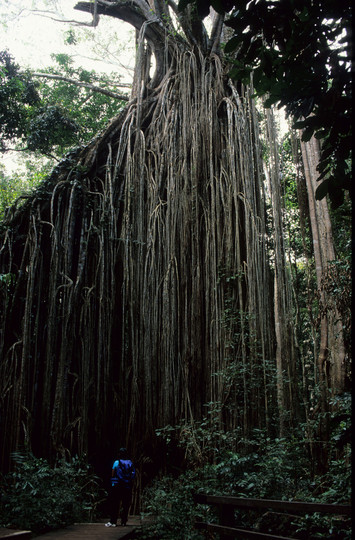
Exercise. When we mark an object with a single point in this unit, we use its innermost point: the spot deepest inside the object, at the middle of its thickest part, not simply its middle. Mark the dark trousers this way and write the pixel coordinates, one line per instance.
(119, 494)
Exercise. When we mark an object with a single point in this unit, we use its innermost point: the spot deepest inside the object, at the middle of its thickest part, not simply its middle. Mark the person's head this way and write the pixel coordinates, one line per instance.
(122, 453)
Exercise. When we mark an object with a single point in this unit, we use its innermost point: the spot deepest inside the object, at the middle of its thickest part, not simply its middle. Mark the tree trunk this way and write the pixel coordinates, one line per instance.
(285, 346)
(331, 350)
(331, 358)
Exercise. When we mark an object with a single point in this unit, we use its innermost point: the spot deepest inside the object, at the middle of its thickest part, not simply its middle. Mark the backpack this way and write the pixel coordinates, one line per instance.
(124, 472)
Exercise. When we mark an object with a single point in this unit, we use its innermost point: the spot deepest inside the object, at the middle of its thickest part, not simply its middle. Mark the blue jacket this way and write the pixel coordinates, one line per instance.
(123, 473)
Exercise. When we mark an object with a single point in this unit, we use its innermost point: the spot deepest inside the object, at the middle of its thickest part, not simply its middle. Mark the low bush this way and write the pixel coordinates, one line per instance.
(38, 497)
(169, 501)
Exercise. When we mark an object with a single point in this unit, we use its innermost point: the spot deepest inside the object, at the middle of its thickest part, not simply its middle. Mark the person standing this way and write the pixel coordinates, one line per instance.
(123, 474)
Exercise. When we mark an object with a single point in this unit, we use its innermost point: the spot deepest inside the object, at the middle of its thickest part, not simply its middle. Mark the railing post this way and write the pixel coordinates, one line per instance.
(226, 517)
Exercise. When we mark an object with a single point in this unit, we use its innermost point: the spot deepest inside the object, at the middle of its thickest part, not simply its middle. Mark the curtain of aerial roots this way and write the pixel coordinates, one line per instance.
(56, 331)
(195, 289)
(141, 287)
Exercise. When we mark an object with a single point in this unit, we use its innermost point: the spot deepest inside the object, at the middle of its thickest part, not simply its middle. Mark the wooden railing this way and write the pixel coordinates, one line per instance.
(227, 528)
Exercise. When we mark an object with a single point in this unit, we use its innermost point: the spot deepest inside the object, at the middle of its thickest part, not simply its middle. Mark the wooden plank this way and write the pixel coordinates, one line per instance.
(14, 534)
(238, 533)
(293, 506)
(90, 531)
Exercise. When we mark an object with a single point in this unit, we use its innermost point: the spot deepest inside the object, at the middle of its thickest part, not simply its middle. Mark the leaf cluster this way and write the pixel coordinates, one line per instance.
(18, 96)
(25, 117)
(51, 127)
(16, 185)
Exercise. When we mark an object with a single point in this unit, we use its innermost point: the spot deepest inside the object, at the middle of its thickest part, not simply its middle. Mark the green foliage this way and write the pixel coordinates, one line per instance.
(70, 37)
(50, 128)
(25, 118)
(170, 501)
(18, 96)
(47, 117)
(6, 279)
(50, 116)
(17, 185)
(202, 441)
(337, 283)
(313, 82)
(295, 200)
(39, 497)
(342, 219)
(87, 109)
(9, 191)
(257, 466)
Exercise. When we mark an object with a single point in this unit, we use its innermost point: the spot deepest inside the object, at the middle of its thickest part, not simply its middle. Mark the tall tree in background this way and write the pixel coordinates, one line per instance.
(139, 275)
(285, 352)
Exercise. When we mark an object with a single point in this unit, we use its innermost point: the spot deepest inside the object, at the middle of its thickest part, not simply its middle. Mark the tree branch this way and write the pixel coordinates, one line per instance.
(126, 10)
(92, 87)
(138, 14)
(26, 149)
(48, 15)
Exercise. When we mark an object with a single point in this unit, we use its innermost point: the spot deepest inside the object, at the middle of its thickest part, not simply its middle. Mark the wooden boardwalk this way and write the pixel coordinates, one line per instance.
(81, 531)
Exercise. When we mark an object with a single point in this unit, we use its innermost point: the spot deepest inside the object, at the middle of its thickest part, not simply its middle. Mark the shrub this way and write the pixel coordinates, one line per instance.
(39, 497)
(169, 501)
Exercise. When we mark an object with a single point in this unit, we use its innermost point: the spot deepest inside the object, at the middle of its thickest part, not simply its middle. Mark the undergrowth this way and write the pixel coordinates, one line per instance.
(270, 469)
(38, 497)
